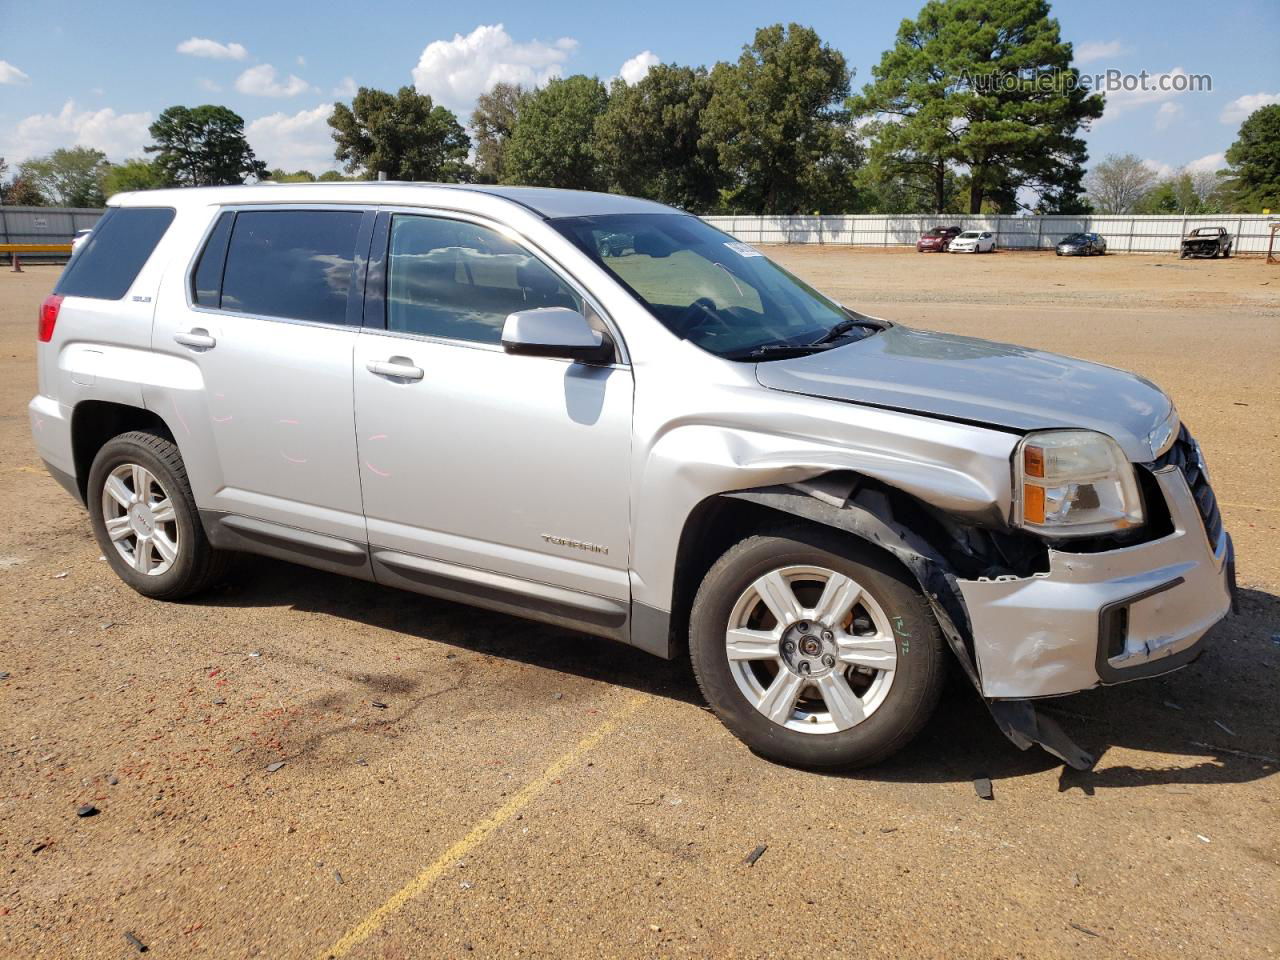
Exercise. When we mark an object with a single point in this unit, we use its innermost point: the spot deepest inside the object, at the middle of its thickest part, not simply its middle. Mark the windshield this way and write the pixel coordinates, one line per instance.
(1075, 238)
(968, 235)
(721, 295)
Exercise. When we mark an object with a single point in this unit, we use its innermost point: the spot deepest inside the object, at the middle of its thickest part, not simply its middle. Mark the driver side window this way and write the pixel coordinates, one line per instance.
(459, 280)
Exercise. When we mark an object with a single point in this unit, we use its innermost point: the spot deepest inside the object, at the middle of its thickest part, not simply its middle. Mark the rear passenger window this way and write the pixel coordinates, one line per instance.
(121, 242)
(294, 264)
(206, 285)
(448, 278)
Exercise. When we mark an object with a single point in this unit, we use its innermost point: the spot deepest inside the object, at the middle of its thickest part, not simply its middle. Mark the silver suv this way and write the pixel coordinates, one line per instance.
(603, 413)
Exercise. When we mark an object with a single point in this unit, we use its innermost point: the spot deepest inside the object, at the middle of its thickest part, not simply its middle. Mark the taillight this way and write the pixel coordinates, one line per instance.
(48, 317)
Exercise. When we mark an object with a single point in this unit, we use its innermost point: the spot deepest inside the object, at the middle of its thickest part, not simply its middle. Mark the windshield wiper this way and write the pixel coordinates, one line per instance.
(777, 350)
(845, 326)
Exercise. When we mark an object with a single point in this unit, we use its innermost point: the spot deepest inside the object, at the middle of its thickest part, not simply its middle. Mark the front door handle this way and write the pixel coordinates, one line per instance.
(401, 368)
(198, 337)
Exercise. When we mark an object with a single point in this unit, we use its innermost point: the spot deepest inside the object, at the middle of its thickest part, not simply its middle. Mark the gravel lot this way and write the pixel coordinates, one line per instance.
(527, 792)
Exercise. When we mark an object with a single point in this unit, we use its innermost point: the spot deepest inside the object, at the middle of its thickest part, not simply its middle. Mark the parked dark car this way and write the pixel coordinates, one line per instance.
(1081, 245)
(616, 244)
(936, 240)
(1206, 242)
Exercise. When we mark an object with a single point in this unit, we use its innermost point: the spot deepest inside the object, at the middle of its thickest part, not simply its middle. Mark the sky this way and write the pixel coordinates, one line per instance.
(97, 74)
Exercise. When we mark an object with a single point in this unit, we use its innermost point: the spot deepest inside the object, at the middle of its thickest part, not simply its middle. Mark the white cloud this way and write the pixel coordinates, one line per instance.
(1209, 162)
(1159, 168)
(1168, 112)
(454, 72)
(11, 74)
(1099, 50)
(347, 88)
(1159, 88)
(297, 141)
(204, 47)
(118, 135)
(635, 69)
(208, 85)
(260, 81)
(1239, 109)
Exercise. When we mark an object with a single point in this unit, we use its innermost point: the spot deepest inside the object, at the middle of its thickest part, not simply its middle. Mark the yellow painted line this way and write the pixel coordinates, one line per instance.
(477, 835)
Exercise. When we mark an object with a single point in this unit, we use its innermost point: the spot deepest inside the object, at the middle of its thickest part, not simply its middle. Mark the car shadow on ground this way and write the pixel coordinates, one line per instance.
(1214, 722)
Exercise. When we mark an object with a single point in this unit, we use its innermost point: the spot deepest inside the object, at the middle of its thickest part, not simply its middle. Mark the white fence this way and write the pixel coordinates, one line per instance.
(1124, 234)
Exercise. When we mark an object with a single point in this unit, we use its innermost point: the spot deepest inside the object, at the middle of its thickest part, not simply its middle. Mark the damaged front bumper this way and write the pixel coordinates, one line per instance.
(1103, 618)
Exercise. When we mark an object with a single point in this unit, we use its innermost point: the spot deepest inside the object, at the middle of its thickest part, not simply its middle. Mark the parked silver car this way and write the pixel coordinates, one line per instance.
(451, 390)
(1081, 245)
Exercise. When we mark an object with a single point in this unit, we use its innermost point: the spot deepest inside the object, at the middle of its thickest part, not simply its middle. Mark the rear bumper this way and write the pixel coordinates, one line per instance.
(51, 431)
(1104, 617)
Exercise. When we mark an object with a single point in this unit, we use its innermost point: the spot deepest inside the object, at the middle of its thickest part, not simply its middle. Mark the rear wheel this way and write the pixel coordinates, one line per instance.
(814, 650)
(145, 519)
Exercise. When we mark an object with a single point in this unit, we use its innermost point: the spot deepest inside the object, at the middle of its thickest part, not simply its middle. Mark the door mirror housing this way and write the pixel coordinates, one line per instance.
(556, 332)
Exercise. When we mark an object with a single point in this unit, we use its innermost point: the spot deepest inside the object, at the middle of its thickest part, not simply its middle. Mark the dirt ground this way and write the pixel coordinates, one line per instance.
(527, 792)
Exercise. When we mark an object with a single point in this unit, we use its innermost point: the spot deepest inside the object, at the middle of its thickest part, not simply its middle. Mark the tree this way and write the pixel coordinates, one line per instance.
(987, 85)
(778, 125)
(133, 174)
(404, 135)
(1118, 183)
(68, 177)
(1185, 192)
(648, 140)
(4, 172)
(1253, 177)
(23, 193)
(298, 176)
(551, 145)
(331, 176)
(203, 146)
(492, 123)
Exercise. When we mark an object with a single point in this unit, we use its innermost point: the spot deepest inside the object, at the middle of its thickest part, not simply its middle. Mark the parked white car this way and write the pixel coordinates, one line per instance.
(973, 241)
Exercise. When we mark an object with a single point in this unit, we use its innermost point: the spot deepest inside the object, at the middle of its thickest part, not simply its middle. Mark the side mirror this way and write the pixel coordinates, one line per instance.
(556, 332)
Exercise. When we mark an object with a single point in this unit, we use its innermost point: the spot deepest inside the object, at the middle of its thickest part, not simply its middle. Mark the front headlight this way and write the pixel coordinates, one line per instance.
(1074, 483)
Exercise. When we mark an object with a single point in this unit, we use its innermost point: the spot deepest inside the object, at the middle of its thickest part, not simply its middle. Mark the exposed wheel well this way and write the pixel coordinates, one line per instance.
(715, 525)
(94, 422)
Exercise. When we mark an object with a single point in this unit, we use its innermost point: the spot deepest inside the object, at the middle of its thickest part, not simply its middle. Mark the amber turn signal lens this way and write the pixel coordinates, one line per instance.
(1033, 462)
(1033, 504)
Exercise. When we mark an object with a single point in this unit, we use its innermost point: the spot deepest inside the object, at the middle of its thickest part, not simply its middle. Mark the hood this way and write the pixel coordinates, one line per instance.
(981, 381)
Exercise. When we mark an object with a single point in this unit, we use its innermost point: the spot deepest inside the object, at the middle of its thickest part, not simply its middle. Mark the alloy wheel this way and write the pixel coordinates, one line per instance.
(140, 519)
(811, 649)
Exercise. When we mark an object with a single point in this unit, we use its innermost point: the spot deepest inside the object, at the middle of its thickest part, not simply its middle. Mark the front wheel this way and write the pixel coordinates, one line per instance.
(816, 650)
(145, 519)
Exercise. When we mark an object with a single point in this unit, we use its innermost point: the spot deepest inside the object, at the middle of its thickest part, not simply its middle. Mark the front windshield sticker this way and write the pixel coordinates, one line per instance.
(743, 250)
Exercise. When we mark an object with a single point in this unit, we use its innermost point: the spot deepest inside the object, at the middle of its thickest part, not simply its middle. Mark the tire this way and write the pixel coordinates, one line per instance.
(193, 563)
(892, 705)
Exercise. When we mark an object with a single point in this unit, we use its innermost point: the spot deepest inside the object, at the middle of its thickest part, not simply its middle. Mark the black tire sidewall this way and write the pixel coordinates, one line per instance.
(141, 449)
(917, 679)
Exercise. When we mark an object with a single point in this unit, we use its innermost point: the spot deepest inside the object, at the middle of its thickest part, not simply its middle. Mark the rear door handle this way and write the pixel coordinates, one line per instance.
(401, 368)
(199, 337)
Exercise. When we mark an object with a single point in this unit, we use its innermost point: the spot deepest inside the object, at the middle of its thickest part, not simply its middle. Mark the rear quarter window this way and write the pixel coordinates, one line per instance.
(121, 243)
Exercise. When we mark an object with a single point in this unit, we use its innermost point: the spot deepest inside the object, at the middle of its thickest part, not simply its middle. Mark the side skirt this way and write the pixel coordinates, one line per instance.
(527, 599)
